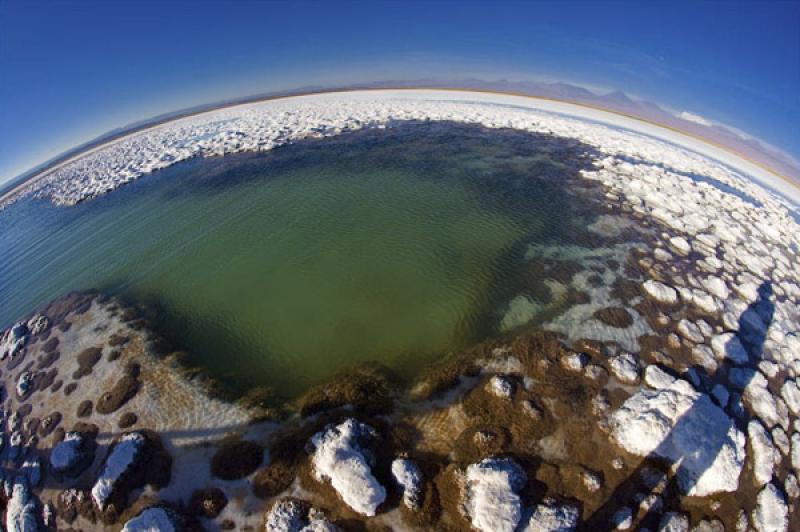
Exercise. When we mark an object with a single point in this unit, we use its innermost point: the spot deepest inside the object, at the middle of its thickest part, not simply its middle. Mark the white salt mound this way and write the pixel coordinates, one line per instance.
(682, 425)
(491, 501)
(122, 457)
(155, 519)
(660, 292)
(339, 459)
(552, 517)
(770, 514)
(409, 478)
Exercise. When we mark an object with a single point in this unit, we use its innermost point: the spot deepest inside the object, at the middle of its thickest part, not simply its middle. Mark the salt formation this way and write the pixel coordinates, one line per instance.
(491, 499)
(341, 459)
(684, 426)
(120, 460)
(553, 517)
(409, 478)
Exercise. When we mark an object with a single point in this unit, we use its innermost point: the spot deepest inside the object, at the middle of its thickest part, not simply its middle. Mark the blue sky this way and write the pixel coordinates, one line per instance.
(70, 71)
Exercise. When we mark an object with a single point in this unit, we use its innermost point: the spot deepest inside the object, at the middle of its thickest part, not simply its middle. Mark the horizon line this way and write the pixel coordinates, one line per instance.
(179, 114)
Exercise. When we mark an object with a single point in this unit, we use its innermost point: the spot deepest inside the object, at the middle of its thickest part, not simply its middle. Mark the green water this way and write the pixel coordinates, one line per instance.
(284, 268)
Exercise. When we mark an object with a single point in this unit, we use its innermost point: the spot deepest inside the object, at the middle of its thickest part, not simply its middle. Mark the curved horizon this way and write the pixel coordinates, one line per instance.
(20, 182)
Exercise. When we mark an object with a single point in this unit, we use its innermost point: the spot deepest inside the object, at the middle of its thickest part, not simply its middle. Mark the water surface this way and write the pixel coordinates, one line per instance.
(280, 269)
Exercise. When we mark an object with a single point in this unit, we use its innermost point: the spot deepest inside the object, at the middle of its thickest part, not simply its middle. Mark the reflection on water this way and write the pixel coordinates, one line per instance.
(280, 269)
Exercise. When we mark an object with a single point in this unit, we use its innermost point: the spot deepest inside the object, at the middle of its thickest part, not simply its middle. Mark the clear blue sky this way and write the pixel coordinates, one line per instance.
(70, 71)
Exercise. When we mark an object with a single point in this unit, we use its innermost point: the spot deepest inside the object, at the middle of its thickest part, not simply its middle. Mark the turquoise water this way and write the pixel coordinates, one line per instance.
(280, 269)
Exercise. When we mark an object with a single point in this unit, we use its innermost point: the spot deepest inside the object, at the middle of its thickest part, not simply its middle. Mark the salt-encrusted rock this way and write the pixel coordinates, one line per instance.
(294, 515)
(680, 245)
(491, 500)
(704, 356)
(792, 486)
(72, 455)
(781, 440)
(796, 451)
(341, 458)
(409, 477)
(24, 384)
(575, 361)
(660, 292)
(154, 519)
(690, 331)
(622, 519)
(22, 508)
(790, 391)
(761, 401)
(706, 525)
(12, 342)
(122, 458)
(552, 517)
(770, 514)
(674, 522)
(682, 425)
(38, 324)
(49, 515)
(727, 346)
(657, 378)
(625, 368)
(763, 452)
(501, 386)
(32, 470)
(717, 287)
(591, 481)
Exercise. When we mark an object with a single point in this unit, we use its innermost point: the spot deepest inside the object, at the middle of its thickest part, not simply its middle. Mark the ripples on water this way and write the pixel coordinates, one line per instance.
(280, 269)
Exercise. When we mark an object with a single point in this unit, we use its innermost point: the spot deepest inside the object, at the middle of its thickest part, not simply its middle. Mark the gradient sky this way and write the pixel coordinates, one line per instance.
(70, 71)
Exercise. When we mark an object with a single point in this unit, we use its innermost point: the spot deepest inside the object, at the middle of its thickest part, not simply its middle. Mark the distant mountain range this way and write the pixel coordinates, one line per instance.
(615, 101)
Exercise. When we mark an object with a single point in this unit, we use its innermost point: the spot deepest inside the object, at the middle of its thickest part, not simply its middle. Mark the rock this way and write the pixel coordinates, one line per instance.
(761, 401)
(690, 331)
(614, 317)
(491, 500)
(22, 508)
(625, 368)
(340, 457)
(73, 455)
(32, 470)
(86, 361)
(135, 459)
(660, 292)
(727, 346)
(574, 362)
(591, 481)
(657, 378)
(409, 477)
(294, 515)
(680, 424)
(24, 384)
(552, 517)
(208, 502)
(680, 245)
(126, 420)
(501, 386)
(763, 452)
(12, 342)
(770, 513)
(721, 394)
(714, 525)
(85, 408)
(790, 391)
(674, 522)
(622, 519)
(38, 324)
(237, 459)
(157, 519)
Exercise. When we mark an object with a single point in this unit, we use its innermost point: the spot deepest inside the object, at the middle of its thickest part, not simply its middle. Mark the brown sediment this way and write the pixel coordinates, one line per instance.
(614, 317)
(126, 420)
(236, 459)
(86, 361)
(367, 388)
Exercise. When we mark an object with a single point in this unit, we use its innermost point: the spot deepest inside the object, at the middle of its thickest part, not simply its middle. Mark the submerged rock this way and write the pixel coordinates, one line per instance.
(491, 501)
(341, 458)
(685, 427)
(660, 292)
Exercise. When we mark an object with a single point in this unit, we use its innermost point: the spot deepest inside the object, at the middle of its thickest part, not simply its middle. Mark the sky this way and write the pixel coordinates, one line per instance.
(70, 71)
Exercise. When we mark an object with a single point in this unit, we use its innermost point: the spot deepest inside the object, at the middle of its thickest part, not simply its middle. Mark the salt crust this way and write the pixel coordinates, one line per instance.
(684, 426)
(340, 460)
(491, 501)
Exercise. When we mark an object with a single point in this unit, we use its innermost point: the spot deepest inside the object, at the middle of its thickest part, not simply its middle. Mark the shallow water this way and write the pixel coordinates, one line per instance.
(281, 269)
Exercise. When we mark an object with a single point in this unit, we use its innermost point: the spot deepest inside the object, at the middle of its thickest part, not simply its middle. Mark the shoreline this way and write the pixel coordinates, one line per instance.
(9, 195)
